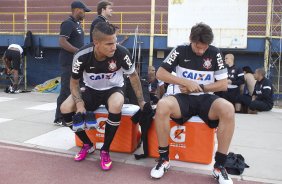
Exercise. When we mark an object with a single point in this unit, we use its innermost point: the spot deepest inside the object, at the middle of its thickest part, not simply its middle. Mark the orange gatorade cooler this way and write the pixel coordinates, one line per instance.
(127, 136)
(191, 142)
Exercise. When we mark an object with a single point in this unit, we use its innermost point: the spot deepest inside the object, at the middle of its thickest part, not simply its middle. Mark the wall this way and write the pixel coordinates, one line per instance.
(40, 70)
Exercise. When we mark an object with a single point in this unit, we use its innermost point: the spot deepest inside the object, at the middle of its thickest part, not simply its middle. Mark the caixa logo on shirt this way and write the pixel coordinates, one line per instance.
(102, 76)
(197, 76)
(76, 66)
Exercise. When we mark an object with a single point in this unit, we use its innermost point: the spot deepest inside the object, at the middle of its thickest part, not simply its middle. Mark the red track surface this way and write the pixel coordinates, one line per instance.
(19, 165)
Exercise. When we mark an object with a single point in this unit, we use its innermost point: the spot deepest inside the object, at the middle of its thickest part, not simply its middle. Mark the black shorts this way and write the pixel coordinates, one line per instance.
(232, 95)
(15, 58)
(191, 105)
(94, 98)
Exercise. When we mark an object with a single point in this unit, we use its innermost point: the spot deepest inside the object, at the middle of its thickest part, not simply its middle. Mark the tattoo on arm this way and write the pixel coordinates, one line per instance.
(136, 85)
(75, 91)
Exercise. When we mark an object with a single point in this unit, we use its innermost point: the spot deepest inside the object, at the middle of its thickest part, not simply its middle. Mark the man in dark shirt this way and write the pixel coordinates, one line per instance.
(235, 80)
(104, 11)
(262, 98)
(101, 64)
(200, 71)
(71, 38)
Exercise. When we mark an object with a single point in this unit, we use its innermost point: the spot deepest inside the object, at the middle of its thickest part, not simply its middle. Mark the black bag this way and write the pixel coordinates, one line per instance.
(28, 43)
(235, 164)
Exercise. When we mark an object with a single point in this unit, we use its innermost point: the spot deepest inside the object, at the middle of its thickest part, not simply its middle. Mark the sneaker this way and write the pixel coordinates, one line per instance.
(161, 167)
(78, 122)
(58, 122)
(106, 162)
(221, 175)
(90, 121)
(81, 155)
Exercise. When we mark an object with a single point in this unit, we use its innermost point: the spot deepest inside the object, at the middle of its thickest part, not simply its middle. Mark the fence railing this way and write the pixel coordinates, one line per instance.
(49, 22)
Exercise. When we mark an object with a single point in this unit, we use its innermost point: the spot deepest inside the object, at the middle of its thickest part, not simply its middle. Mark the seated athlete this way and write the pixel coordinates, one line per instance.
(102, 65)
(200, 71)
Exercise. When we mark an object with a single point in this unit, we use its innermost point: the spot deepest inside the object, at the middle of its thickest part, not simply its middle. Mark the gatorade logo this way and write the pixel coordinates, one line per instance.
(102, 124)
(177, 134)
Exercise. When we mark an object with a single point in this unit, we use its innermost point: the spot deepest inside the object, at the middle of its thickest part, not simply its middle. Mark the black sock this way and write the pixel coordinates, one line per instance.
(67, 117)
(82, 134)
(220, 159)
(83, 137)
(112, 125)
(164, 152)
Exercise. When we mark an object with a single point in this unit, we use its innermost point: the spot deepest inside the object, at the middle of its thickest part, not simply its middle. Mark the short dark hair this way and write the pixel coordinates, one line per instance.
(102, 5)
(103, 28)
(247, 69)
(261, 71)
(201, 33)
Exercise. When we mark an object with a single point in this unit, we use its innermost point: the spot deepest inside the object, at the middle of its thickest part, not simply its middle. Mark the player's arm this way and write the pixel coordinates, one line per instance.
(220, 85)
(77, 69)
(186, 86)
(136, 85)
(128, 67)
(66, 45)
(65, 32)
(220, 75)
(76, 95)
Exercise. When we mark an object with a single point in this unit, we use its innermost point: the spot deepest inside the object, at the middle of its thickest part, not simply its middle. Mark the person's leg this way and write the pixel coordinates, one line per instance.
(257, 105)
(223, 111)
(114, 103)
(64, 92)
(16, 63)
(15, 79)
(167, 107)
(68, 109)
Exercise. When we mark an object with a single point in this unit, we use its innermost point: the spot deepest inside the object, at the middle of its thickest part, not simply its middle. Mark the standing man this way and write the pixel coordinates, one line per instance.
(235, 80)
(101, 64)
(262, 98)
(104, 11)
(200, 71)
(71, 38)
(12, 59)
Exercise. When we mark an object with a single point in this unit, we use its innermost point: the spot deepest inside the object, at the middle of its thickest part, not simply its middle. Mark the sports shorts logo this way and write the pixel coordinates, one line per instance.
(102, 124)
(177, 134)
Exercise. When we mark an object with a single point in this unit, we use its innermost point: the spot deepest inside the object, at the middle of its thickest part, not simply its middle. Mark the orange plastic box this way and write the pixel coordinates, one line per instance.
(191, 142)
(127, 136)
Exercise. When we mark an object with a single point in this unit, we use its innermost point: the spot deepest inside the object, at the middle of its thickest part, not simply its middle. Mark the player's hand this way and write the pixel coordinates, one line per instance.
(141, 105)
(229, 81)
(80, 107)
(190, 87)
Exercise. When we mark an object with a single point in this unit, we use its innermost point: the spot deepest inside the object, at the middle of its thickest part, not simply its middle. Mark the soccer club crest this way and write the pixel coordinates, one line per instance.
(207, 63)
(112, 65)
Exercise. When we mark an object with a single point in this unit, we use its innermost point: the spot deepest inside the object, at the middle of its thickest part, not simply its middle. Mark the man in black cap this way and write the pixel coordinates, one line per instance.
(71, 38)
(104, 11)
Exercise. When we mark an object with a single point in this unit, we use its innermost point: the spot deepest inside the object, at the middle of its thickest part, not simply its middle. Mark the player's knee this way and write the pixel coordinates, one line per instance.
(227, 111)
(163, 108)
(65, 107)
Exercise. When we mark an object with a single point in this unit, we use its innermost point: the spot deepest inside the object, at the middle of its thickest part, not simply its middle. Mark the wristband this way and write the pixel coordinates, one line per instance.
(203, 87)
